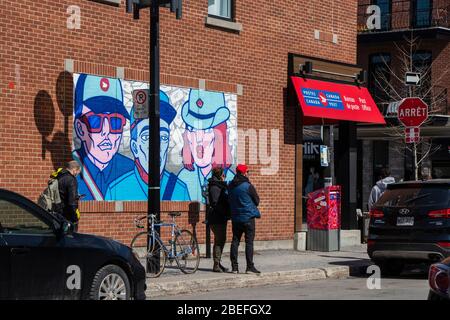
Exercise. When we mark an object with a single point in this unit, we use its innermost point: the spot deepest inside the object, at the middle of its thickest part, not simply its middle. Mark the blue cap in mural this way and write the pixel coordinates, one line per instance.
(205, 109)
(100, 94)
(166, 111)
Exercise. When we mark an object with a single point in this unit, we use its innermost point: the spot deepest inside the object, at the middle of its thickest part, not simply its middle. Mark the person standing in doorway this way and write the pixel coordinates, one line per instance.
(381, 185)
(218, 215)
(244, 201)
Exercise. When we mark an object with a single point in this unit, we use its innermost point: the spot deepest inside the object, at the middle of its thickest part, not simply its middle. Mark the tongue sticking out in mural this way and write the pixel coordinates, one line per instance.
(205, 115)
(112, 145)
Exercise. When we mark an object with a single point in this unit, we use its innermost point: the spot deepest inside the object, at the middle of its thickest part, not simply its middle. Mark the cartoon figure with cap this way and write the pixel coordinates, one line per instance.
(99, 119)
(134, 184)
(205, 140)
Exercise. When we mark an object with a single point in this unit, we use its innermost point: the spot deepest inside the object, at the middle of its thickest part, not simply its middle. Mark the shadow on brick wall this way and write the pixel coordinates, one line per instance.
(57, 144)
(289, 115)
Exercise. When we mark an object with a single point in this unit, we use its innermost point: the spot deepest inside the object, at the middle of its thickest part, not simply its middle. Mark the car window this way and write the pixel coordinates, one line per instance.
(17, 220)
(430, 196)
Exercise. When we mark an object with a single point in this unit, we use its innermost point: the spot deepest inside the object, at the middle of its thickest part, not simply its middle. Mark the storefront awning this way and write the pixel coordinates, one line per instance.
(328, 102)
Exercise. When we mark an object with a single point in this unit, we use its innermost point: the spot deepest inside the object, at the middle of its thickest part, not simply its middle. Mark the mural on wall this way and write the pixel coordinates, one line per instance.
(198, 131)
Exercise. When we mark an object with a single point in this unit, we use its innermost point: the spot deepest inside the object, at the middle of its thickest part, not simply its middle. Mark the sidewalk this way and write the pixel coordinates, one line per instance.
(276, 266)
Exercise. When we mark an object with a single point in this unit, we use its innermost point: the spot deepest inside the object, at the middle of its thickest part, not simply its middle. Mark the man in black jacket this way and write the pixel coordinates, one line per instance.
(68, 191)
(218, 215)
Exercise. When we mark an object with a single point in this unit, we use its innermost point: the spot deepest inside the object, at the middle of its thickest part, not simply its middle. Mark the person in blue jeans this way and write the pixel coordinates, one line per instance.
(244, 201)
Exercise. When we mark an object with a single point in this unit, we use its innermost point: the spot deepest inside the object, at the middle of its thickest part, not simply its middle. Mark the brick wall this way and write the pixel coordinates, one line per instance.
(36, 94)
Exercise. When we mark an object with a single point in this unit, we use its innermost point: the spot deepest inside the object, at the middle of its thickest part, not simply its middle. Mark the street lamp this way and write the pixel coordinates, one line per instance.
(134, 6)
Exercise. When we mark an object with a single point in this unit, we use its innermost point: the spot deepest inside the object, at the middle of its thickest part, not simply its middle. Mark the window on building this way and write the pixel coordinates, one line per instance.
(386, 13)
(221, 8)
(422, 13)
(421, 61)
(380, 77)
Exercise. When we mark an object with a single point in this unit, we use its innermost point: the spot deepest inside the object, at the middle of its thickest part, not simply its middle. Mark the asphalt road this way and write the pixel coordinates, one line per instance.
(408, 286)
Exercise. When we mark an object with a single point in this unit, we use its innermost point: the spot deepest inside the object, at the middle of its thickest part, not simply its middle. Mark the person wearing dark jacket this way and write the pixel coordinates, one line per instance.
(68, 191)
(244, 201)
(218, 215)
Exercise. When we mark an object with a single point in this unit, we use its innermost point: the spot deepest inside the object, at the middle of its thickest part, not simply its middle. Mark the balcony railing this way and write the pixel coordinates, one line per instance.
(404, 16)
(437, 101)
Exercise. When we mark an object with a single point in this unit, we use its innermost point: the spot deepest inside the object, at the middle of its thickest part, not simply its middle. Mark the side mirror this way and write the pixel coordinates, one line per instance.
(66, 228)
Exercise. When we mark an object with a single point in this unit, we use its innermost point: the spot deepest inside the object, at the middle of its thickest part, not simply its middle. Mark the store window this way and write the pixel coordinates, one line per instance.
(422, 13)
(380, 77)
(221, 9)
(386, 13)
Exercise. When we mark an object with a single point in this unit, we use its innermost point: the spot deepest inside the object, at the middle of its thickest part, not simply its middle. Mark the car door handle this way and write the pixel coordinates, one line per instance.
(20, 250)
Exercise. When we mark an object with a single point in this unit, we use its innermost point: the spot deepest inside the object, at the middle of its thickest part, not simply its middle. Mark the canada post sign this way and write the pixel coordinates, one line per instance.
(320, 100)
(324, 99)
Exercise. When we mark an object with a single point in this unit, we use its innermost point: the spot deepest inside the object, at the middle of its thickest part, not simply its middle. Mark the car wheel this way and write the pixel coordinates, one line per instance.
(110, 283)
(391, 268)
(435, 297)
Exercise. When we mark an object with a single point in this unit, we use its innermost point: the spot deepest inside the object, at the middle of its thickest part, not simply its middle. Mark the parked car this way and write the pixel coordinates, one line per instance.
(410, 223)
(439, 281)
(42, 258)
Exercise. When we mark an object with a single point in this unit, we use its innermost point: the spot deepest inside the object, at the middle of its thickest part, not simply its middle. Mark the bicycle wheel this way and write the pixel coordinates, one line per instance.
(147, 257)
(187, 251)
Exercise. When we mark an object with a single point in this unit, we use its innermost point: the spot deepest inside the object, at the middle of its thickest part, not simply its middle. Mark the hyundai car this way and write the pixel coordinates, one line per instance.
(410, 223)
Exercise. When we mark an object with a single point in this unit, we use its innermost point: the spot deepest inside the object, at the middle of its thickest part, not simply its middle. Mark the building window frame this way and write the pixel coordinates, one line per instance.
(414, 14)
(387, 15)
(232, 16)
(371, 68)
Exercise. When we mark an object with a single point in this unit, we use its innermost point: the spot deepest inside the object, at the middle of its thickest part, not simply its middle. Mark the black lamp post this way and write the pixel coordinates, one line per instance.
(133, 6)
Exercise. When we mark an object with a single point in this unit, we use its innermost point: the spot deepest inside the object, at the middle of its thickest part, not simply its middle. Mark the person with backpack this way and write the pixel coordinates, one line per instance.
(218, 214)
(61, 195)
(381, 185)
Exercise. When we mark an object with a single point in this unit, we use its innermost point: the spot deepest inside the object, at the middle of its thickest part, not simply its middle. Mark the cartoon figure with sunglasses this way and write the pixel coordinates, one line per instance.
(100, 116)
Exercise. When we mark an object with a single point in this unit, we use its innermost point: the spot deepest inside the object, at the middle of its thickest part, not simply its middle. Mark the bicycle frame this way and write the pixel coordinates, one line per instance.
(174, 230)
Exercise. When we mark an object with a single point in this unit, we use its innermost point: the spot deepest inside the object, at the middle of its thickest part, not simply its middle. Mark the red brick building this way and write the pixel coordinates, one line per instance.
(420, 28)
(45, 43)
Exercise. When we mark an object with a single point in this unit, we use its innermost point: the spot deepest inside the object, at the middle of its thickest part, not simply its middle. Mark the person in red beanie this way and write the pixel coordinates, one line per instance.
(244, 201)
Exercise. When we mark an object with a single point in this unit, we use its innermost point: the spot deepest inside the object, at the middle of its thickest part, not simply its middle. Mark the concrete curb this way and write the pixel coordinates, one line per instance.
(168, 288)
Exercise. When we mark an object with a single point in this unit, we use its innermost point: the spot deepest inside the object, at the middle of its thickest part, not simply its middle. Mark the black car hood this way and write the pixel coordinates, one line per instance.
(100, 242)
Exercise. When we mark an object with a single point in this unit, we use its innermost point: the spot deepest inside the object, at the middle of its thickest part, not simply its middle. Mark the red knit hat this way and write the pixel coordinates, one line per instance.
(242, 168)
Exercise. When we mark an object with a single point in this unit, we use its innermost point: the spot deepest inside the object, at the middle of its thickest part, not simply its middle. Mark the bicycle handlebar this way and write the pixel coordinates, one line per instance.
(138, 221)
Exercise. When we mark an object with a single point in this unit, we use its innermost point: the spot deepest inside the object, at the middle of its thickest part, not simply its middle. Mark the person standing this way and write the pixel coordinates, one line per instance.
(381, 185)
(244, 201)
(68, 192)
(218, 215)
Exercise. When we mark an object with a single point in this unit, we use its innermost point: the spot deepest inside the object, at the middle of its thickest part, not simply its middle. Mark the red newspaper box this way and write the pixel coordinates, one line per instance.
(324, 219)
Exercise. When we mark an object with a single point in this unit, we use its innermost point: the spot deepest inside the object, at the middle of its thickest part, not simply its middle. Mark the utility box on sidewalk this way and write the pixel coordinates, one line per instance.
(324, 219)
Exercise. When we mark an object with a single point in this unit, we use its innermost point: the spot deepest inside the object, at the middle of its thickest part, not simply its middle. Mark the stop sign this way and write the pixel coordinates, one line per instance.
(412, 112)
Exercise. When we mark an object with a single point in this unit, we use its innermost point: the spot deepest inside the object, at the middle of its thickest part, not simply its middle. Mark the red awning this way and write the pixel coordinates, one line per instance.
(327, 102)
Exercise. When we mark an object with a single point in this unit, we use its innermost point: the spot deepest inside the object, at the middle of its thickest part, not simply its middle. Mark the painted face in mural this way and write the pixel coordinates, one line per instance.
(165, 138)
(201, 144)
(100, 134)
(139, 147)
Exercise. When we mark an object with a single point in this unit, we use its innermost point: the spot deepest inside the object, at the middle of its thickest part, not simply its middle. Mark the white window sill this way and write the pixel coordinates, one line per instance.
(111, 2)
(224, 24)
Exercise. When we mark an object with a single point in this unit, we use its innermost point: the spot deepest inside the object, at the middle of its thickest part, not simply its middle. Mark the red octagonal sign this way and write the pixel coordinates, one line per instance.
(412, 112)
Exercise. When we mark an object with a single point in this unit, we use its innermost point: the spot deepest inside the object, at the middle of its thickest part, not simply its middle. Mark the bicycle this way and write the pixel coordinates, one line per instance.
(183, 247)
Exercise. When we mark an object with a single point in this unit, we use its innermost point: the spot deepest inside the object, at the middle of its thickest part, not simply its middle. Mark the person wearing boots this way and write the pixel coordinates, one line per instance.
(244, 201)
(218, 215)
